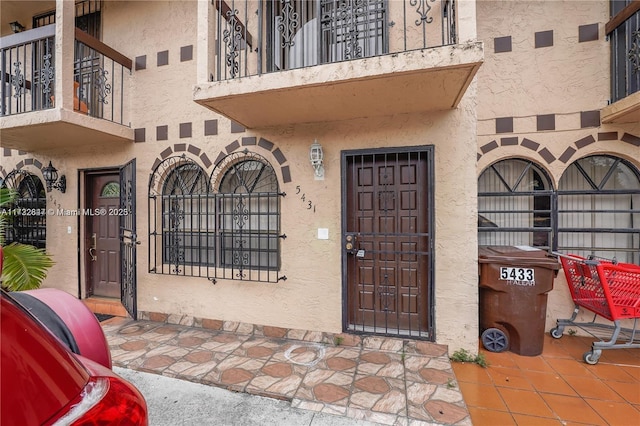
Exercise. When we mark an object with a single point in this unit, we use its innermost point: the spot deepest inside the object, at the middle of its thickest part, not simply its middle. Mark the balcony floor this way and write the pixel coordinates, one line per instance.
(408, 82)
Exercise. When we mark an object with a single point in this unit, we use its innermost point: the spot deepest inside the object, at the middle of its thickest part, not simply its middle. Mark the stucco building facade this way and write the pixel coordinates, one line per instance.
(185, 131)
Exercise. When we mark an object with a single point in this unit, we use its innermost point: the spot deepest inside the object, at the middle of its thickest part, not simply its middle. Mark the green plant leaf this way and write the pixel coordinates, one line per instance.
(24, 267)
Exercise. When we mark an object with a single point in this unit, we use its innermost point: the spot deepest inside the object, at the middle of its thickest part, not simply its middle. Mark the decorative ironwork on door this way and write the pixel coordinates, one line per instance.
(128, 238)
(388, 241)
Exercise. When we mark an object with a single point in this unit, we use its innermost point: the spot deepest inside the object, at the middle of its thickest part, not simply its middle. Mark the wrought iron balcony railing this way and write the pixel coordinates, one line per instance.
(624, 32)
(28, 66)
(255, 37)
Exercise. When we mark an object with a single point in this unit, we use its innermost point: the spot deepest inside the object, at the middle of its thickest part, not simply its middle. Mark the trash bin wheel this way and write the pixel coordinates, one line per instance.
(556, 332)
(591, 357)
(495, 340)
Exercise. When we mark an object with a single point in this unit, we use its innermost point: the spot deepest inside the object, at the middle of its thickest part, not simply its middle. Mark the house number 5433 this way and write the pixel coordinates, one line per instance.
(308, 203)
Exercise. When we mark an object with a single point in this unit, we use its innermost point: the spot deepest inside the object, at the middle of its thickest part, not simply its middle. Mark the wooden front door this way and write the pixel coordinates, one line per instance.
(102, 237)
(387, 241)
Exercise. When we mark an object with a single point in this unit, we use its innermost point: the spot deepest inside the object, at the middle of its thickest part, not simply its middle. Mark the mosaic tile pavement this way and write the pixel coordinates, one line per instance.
(382, 380)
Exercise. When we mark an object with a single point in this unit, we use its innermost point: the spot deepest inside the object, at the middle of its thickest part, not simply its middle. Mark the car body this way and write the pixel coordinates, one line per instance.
(54, 307)
(55, 365)
(43, 383)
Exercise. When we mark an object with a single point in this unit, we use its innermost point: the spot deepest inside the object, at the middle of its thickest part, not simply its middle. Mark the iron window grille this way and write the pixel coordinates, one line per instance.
(222, 226)
(26, 217)
(594, 212)
(599, 209)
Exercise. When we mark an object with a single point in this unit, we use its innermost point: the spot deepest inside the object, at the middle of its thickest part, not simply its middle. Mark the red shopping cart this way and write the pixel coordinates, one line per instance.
(608, 289)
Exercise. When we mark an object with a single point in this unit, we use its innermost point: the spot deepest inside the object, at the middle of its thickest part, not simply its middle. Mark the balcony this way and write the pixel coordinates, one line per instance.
(624, 32)
(304, 61)
(90, 107)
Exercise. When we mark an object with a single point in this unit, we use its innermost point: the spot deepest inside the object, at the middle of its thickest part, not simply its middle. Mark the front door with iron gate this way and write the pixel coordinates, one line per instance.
(387, 241)
(110, 235)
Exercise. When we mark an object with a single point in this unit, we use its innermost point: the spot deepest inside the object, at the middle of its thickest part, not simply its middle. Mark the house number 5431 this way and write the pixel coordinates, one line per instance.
(308, 203)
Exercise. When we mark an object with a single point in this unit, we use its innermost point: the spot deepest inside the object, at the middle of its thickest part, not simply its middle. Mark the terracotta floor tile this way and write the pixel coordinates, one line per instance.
(590, 387)
(609, 372)
(621, 356)
(616, 413)
(469, 372)
(532, 363)
(549, 382)
(482, 396)
(572, 409)
(569, 367)
(526, 420)
(632, 370)
(629, 391)
(501, 359)
(509, 378)
(554, 348)
(525, 402)
(484, 417)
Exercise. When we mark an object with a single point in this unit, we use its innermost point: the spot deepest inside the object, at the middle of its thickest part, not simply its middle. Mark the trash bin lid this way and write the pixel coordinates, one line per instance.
(517, 255)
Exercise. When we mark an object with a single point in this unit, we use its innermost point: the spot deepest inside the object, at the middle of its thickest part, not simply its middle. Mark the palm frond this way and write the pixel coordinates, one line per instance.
(24, 267)
(7, 196)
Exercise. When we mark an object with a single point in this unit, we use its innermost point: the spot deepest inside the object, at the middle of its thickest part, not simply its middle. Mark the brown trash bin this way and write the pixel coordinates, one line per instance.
(514, 282)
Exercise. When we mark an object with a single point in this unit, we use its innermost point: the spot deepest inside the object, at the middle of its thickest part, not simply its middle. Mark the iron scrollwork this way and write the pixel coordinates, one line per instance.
(351, 14)
(423, 10)
(176, 250)
(233, 38)
(287, 23)
(634, 52)
(102, 87)
(17, 79)
(47, 74)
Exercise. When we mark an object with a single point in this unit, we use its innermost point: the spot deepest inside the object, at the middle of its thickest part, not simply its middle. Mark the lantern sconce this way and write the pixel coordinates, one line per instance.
(316, 157)
(16, 27)
(50, 175)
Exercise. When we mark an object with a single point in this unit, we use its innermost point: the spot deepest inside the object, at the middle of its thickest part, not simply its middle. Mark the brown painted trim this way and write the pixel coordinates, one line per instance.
(96, 44)
(567, 154)
(488, 147)
(622, 16)
(632, 139)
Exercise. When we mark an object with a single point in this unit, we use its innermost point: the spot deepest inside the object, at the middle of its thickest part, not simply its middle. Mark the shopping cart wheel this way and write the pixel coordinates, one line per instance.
(556, 332)
(494, 340)
(591, 357)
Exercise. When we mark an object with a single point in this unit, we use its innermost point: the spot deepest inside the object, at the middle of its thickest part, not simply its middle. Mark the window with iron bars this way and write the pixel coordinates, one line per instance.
(595, 210)
(26, 216)
(226, 225)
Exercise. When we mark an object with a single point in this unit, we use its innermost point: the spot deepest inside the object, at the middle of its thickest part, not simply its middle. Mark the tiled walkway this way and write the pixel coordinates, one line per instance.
(556, 388)
(391, 381)
(388, 381)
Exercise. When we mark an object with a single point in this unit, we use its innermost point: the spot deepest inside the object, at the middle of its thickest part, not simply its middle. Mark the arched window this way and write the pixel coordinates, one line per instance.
(27, 222)
(249, 217)
(226, 225)
(514, 205)
(599, 209)
(185, 228)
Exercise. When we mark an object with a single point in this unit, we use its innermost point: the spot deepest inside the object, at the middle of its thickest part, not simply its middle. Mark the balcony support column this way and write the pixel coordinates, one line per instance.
(466, 21)
(64, 54)
(206, 40)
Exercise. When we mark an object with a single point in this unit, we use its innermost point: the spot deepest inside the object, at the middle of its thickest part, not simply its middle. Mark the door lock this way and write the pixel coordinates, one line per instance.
(350, 241)
(92, 247)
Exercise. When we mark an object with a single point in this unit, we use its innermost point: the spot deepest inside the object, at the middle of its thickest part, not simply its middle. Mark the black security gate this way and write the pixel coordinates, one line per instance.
(128, 238)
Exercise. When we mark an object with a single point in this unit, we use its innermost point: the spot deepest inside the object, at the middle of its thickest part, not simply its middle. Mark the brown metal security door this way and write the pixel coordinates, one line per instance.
(387, 241)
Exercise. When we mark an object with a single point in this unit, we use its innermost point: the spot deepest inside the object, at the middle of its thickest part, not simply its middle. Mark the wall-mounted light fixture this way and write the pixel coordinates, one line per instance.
(316, 157)
(16, 27)
(50, 175)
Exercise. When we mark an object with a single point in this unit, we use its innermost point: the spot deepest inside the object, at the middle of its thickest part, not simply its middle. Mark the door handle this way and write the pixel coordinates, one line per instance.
(92, 247)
